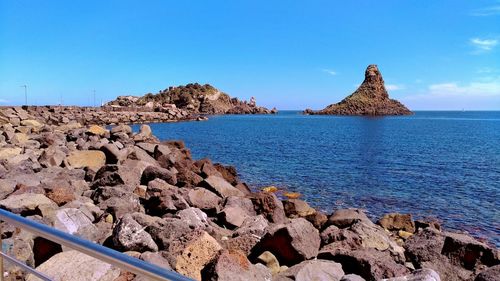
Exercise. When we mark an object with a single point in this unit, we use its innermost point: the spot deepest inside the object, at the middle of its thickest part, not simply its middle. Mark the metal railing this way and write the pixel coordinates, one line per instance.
(97, 251)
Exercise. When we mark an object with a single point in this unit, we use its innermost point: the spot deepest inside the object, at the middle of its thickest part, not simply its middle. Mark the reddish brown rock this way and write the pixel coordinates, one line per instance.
(234, 266)
(269, 206)
(291, 243)
(371, 98)
(395, 221)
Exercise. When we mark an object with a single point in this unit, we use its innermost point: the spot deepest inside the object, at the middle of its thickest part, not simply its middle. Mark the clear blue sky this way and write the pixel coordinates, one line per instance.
(288, 54)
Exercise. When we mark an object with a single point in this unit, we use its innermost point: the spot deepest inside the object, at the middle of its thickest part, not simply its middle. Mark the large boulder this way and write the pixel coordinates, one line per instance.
(396, 221)
(221, 187)
(193, 217)
(76, 266)
(297, 208)
(291, 243)
(465, 251)
(128, 235)
(52, 156)
(489, 274)
(373, 236)
(190, 254)
(97, 130)
(9, 152)
(370, 264)
(234, 266)
(256, 226)
(74, 221)
(346, 217)
(424, 250)
(92, 159)
(268, 205)
(153, 172)
(28, 204)
(203, 199)
(418, 275)
(315, 270)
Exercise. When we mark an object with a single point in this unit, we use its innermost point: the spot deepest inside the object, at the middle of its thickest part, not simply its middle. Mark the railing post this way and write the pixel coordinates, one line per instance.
(1, 250)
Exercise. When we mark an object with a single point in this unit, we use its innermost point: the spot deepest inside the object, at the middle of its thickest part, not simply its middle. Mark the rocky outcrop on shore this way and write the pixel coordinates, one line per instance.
(151, 200)
(371, 98)
(76, 116)
(195, 98)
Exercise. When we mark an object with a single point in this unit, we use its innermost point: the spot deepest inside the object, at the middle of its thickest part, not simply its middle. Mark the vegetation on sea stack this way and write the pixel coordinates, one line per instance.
(195, 98)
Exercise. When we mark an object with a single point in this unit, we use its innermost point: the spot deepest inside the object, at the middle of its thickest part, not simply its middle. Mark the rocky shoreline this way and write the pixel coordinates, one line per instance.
(151, 200)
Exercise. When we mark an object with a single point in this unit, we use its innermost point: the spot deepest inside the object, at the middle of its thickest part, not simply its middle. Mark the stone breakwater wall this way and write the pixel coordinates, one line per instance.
(64, 115)
(153, 201)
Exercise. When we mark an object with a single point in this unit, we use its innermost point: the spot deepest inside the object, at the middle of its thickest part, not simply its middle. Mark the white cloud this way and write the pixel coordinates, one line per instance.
(484, 45)
(4, 101)
(394, 87)
(483, 93)
(488, 11)
(329, 71)
(483, 70)
(491, 87)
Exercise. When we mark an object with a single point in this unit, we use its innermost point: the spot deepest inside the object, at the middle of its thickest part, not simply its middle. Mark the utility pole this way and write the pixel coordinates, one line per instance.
(94, 99)
(25, 94)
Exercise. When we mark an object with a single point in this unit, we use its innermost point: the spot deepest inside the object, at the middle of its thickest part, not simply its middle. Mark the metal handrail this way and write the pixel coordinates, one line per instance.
(24, 266)
(97, 251)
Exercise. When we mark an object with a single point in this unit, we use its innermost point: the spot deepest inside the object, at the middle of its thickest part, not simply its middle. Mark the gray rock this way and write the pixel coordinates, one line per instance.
(74, 221)
(253, 226)
(203, 199)
(418, 275)
(193, 217)
(352, 277)
(76, 266)
(315, 270)
(152, 172)
(128, 235)
(156, 259)
(232, 217)
(346, 217)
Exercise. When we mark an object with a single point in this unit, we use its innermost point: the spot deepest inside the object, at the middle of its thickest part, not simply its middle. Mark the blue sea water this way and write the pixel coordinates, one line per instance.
(443, 165)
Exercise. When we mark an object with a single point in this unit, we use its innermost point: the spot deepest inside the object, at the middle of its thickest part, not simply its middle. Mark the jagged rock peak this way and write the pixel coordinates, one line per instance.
(371, 98)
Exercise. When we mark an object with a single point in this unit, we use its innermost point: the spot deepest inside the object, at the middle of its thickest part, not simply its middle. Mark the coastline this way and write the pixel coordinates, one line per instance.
(117, 181)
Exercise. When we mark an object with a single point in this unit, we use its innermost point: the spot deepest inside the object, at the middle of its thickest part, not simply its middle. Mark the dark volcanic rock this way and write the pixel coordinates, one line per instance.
(371, 98)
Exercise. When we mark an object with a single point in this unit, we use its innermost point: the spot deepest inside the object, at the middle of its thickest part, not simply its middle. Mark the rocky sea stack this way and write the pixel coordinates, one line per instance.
(194, 98)
(371, 98)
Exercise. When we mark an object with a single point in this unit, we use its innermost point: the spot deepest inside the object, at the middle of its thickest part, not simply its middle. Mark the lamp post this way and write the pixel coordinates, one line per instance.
(25, 94)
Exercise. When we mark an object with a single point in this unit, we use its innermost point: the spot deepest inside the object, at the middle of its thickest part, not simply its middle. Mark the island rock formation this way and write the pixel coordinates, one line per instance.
(195, 98)
(371, 98)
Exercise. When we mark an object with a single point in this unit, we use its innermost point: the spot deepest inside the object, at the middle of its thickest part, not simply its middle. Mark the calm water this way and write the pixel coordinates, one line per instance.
(443, 165)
